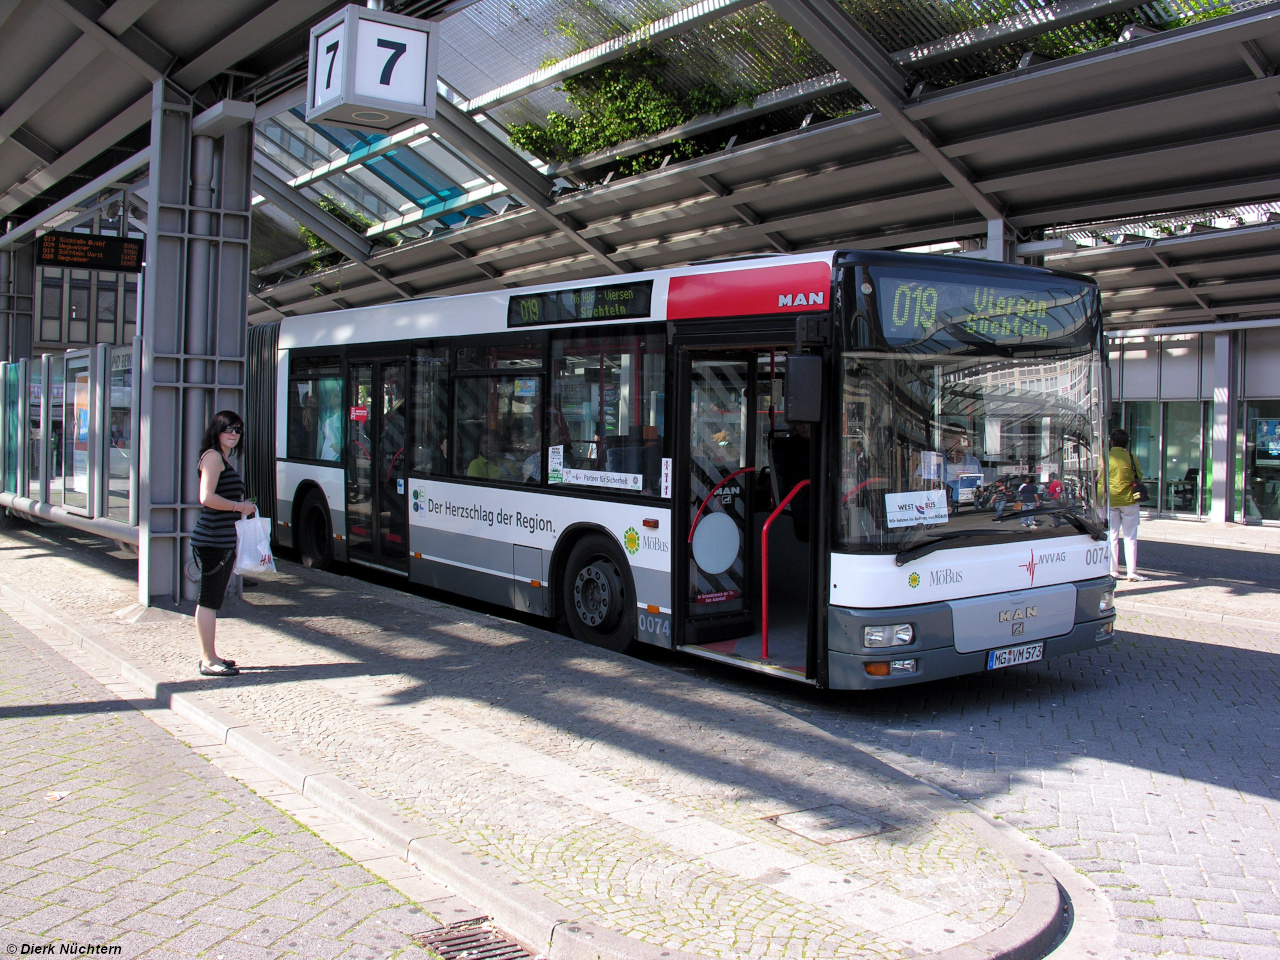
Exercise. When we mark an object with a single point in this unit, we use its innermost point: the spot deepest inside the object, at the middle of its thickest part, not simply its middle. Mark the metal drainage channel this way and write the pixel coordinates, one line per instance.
(471, 940)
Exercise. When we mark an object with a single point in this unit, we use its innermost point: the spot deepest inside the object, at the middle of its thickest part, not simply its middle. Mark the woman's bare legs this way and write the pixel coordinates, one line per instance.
(206, 626)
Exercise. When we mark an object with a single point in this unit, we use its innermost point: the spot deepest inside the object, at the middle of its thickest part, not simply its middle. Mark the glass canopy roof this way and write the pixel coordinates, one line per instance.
(555, 79)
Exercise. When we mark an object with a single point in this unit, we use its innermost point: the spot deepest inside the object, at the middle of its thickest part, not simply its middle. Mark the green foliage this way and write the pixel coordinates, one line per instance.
(350, 218)
(626, 99)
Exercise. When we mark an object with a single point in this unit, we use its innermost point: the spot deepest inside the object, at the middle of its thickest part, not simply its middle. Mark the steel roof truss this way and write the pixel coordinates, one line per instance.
(833, 32)
(329, 229)
(109, 41)
(1257, 60)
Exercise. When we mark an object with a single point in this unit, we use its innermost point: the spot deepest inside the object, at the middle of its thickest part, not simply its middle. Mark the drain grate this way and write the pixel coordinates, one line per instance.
(471, 940)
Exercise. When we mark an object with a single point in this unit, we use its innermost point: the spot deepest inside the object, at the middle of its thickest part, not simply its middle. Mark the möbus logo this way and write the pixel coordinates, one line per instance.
(799, 299)
(945, 577)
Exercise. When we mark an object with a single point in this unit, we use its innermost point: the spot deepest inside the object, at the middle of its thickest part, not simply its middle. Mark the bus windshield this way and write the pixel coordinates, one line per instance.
(967, 449)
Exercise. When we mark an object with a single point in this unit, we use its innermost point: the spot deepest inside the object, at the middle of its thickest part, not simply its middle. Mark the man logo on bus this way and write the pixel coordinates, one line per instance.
(799, 299)
(631, 540)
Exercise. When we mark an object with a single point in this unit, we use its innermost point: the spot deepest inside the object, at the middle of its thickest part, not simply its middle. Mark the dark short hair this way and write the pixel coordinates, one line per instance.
(221, 420)
(1120, 437)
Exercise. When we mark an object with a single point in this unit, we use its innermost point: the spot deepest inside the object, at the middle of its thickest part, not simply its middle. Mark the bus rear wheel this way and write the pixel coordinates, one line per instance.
(598, 598)
(315, 539)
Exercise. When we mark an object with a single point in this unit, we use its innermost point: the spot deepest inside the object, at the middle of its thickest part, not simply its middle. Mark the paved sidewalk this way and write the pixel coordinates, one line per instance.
(649, 804)
(1226, 573)
(114, 833)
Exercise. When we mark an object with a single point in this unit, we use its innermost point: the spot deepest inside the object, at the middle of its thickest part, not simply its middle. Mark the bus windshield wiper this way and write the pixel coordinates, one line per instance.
(1083, 523)
(938, 542)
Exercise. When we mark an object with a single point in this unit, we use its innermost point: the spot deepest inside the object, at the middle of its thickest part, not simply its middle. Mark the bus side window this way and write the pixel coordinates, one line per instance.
(496, 428)
(429, 411)
(608, 405)
(315, 420)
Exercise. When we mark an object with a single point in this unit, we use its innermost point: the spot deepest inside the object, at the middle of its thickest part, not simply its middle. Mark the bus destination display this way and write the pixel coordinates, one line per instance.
(89, 251)
(622, 301)
(914, 309)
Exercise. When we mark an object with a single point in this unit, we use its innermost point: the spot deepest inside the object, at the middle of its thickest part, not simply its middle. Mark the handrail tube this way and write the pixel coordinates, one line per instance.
(764, 568)
(101, 526)
(697, 516)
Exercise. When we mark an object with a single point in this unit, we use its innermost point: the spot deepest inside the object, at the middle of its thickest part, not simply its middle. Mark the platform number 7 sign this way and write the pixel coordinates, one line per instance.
(371, 70)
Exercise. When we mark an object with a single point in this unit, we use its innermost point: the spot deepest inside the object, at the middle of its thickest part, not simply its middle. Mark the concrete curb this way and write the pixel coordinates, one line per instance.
(1190, 613)
(1216, 543)
(527, 914)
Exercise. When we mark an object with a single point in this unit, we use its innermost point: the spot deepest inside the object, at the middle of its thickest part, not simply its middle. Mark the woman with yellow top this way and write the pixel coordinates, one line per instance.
(1123, 474)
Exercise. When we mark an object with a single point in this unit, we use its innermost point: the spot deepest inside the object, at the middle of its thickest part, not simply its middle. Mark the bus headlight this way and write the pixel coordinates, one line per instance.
(898, 635)
(1106, 601)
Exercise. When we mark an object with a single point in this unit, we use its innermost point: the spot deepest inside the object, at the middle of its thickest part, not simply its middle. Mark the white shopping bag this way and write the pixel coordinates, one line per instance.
(253, 546)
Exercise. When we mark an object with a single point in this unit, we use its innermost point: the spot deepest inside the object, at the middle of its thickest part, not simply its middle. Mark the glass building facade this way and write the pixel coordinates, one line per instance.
(1170, 392)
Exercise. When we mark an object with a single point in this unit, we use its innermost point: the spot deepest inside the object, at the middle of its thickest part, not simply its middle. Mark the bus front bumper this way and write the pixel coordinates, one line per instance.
(934, 655)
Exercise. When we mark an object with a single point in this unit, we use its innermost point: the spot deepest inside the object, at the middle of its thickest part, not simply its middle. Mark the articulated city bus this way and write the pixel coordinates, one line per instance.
(850, 469)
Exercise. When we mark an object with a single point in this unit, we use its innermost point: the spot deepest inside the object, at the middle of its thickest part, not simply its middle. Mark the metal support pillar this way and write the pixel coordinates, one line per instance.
(1222, 442)
(193, 329)
(1002, 242)
(17, 301)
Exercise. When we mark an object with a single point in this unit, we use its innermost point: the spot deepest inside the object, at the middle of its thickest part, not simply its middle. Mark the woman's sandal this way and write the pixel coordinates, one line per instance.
(227, 661)
(218, 670)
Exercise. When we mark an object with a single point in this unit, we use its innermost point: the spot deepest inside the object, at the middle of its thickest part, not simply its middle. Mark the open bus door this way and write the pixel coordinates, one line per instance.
(749, 493)
(377, 518)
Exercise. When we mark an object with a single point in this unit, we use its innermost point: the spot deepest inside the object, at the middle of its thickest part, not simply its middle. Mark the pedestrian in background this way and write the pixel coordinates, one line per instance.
(1029, 494)
(213, 542)
(1123, 477)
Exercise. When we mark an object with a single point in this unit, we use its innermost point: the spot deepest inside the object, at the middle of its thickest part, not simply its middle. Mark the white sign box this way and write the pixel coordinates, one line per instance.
(371, 70)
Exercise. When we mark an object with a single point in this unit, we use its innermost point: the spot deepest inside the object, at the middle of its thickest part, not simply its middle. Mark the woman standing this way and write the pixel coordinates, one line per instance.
(214, 539)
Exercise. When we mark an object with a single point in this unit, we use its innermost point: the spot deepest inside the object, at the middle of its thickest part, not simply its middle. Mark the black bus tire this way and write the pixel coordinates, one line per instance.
(597, 595)
(315, 533)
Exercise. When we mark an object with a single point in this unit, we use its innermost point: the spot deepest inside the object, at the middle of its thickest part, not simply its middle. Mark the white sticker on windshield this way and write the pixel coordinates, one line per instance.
(918, 506)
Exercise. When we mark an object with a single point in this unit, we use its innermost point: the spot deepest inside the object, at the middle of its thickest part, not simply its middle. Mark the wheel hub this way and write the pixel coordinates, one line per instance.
(592, 595)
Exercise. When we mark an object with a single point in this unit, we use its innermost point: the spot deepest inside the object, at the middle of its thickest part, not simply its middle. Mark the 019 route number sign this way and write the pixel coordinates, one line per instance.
(371, 70)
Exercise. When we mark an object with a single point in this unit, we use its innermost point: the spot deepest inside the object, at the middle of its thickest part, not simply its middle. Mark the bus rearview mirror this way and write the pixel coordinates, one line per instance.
(804, 389)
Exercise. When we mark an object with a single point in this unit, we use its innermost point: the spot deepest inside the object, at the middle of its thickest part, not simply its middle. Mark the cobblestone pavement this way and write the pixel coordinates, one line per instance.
(1207, 578)
(114, 832)
(1152, 765)
(656, 805)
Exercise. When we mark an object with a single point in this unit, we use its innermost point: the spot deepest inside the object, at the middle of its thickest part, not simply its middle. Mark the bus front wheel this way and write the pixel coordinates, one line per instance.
(598, 598)
(315, 540)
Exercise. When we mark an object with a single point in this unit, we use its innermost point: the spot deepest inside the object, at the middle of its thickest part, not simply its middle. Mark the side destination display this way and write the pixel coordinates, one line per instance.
(619, 301)
(88, 251)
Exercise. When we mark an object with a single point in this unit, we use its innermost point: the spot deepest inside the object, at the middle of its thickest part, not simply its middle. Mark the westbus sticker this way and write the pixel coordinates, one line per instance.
(793, 288)
(918, 506)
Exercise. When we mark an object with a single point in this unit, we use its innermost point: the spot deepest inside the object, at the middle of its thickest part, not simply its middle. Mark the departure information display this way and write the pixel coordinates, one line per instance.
(621, 301)
(918, 308)
(88, 251)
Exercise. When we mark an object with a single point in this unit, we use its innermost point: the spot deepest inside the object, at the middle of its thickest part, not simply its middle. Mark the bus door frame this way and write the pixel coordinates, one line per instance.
(689, 338)
(376, 357)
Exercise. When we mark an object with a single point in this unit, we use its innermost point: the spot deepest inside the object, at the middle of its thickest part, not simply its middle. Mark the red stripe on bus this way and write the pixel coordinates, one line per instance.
(793, 288)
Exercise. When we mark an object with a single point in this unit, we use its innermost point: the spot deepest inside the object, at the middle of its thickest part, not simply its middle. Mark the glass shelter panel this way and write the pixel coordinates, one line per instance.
(1262, 460)
(119, 437)
(35, 447)
(54, 448)
(13, 428)
(75, 433)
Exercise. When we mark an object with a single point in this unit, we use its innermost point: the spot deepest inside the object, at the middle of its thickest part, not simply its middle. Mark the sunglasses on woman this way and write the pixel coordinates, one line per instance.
(236, 430)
